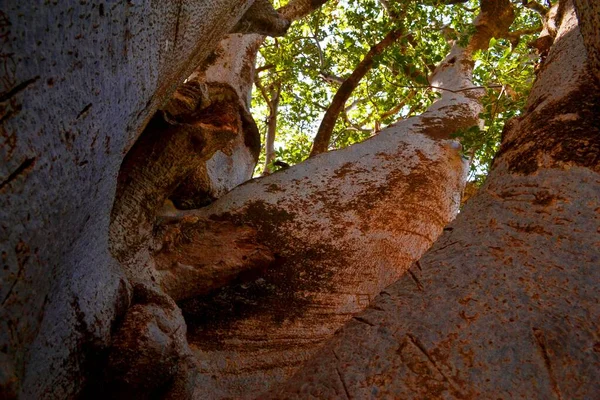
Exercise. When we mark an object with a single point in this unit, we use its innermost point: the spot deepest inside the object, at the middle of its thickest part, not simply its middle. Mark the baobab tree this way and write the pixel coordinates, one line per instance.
(506, 302)
(291, 257)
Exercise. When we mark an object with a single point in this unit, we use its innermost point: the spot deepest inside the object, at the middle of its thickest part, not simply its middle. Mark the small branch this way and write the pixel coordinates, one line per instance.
(263, 91)
(318, 45)
(353, 104)
(535, 6)
(527, 31)
(515, 36)
(357, 127)
(330, 78)
(272, 128)
(323, 137)
(297, 9)
(264, 68)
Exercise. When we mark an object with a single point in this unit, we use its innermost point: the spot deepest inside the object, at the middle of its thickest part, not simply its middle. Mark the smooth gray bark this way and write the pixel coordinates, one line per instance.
(79, 83)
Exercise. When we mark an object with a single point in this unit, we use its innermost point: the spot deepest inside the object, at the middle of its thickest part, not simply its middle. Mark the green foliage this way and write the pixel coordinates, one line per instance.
(332, 41)
(508, 73)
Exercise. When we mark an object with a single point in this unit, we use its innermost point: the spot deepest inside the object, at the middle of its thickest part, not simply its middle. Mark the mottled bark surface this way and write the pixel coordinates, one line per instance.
(207, 115)
(174, 143)
(79, 81)
(271, 270)
(505, 304)
(331, 235)
(232, 66)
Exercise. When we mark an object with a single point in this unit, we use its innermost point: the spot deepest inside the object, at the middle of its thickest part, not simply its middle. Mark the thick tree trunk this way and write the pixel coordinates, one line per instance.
(271, 270)
(79, 81)
(505, 304)
(233, 66)
(206, 126)
(302, 250)
(207, 115)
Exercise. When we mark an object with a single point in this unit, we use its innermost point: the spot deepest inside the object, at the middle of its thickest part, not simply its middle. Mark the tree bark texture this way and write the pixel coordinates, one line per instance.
(273, 268)
(283, 254)
(79, 81)
(273, 102)
(233, 65)
(505, 304)
(208, 114)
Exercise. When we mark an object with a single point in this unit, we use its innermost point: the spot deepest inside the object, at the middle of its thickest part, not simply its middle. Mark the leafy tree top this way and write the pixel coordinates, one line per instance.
(322, 50)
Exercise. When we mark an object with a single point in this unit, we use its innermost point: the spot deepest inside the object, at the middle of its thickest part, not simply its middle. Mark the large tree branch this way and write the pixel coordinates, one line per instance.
(322, 224)
(294, 254)
(321, 141)
(297, 9)
(261, 18)
(494, 20)
(499, 307)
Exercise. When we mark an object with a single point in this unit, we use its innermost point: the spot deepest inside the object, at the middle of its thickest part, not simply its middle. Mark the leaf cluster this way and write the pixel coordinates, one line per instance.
(322, 50)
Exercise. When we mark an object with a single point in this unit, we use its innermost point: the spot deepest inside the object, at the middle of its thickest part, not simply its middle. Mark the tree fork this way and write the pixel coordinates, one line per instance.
(507, 300)
(321, 224)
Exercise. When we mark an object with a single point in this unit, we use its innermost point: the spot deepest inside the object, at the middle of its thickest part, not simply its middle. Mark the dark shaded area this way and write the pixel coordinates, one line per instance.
(573, 143)
(276, 292)
(263, 19)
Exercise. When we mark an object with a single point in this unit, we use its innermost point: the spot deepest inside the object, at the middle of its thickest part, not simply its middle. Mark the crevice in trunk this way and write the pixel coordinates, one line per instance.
(149, 351)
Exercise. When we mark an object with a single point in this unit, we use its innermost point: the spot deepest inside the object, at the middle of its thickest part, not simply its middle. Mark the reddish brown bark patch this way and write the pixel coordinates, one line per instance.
(576, 143)
(277, 292)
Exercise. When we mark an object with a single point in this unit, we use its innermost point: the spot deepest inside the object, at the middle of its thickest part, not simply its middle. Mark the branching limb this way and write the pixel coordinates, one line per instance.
(264, 68)
(330, 78)
(272, 127)
(263, 19)
(323, 136)
(515, 36)
(535, 6)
